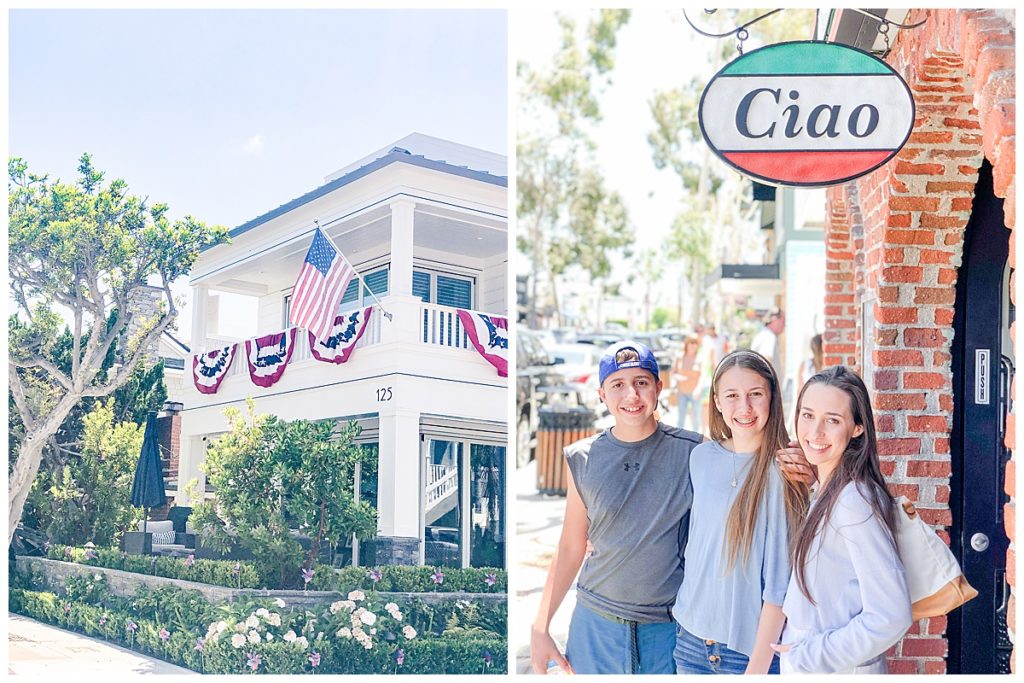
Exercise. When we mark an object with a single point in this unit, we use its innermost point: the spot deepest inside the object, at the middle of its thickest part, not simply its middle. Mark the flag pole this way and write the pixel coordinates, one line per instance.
(358, 276)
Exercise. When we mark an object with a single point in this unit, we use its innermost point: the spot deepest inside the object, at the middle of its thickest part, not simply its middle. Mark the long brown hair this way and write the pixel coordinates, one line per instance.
(817, 353)
(739, 528)
(859, 464)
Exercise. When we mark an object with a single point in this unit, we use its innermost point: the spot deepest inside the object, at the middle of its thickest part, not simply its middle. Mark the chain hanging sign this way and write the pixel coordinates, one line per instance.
(806, 113)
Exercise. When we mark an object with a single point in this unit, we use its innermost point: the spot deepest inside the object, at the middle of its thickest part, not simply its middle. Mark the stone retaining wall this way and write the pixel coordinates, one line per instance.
(124, 584)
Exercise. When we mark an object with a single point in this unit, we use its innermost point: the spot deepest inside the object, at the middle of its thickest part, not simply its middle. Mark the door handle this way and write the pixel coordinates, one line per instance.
(979, 542)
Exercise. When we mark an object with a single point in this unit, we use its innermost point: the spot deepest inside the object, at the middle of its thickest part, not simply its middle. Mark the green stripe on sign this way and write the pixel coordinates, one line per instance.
(805, 58)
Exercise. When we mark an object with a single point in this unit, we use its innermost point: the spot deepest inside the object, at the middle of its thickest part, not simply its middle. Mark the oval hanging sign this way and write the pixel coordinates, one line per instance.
(806, 114)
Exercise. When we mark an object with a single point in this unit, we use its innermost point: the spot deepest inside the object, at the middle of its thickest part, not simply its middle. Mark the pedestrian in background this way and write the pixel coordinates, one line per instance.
(811, 365)
(686, 371)
(766, 341)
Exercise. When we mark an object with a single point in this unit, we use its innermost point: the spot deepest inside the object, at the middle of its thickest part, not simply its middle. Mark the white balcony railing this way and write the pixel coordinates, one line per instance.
(442, 481)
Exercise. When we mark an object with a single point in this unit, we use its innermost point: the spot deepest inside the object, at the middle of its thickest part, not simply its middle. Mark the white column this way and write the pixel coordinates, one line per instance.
(398, 478)
(200, 298)
(402, 211)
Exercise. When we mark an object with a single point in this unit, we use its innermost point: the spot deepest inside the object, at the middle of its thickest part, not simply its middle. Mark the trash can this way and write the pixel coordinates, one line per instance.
(556, 429)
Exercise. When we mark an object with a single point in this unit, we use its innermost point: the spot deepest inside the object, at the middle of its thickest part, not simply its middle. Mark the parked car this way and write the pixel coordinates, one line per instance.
(578, 365)
(534, 368)
(663, 352)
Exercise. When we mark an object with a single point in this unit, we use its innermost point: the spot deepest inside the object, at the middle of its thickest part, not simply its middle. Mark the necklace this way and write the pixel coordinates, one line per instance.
(733, 482)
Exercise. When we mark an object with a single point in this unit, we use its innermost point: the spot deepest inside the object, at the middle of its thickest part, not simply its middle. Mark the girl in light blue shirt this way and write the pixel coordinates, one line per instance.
(847, 602)
(736, 563)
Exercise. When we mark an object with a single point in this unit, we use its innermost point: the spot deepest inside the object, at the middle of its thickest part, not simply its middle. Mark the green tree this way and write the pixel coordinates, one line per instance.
(716, 221)
(569, 217)
(272, 476)
(82, 251)
(87, 499)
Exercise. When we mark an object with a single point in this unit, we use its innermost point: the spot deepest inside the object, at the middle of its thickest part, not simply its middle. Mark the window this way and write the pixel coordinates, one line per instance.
(351, 551)
(376, 281)
(443, 514)
(444, 289)
(487, 505)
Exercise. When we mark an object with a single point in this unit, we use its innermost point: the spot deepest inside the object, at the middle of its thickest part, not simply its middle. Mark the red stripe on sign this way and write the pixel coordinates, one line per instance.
(807, 167)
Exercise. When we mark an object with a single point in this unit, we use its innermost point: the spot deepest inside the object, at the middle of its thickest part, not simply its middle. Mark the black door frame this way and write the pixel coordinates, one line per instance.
(976, 451)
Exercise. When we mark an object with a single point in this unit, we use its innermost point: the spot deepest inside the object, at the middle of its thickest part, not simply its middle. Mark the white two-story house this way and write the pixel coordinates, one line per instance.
(425, 223)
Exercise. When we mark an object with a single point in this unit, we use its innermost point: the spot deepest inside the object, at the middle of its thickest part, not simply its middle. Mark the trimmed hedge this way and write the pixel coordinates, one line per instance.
(446, 655)
(409, 579)
(213, 572)
(393, 578)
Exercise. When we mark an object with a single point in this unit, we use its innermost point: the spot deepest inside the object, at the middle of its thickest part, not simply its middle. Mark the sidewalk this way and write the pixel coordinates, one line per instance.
(37, 649)
(538, 526)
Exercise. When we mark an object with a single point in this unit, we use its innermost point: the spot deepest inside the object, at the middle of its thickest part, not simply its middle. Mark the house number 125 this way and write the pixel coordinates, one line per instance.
(383, 394)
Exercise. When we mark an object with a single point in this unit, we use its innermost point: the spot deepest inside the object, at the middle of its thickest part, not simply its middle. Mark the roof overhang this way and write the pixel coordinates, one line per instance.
(745, 279)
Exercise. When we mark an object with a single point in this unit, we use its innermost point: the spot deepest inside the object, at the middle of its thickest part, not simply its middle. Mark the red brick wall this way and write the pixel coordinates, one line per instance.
(895, 238)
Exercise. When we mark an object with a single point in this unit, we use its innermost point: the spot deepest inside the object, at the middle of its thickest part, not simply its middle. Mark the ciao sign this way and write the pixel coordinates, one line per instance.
(806, 114)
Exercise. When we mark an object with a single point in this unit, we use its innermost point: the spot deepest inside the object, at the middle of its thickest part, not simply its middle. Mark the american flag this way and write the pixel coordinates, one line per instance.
(321, 283)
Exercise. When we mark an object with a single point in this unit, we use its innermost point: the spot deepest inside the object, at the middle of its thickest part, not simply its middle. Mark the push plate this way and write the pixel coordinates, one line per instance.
(981, 373)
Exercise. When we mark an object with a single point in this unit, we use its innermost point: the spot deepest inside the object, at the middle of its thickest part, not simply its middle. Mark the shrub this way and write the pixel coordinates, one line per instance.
(214, 572)
(409, 579)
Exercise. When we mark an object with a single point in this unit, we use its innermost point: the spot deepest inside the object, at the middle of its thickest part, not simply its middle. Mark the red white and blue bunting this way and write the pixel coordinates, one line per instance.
(489, 335)
(268, 356)
(344, 333)
(209, 369)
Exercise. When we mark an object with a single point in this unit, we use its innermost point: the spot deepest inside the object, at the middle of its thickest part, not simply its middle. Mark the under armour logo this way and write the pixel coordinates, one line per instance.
(634, 465)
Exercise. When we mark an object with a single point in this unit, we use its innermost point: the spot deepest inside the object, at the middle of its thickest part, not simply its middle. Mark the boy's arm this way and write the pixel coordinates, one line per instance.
(565, 564)
(769, 628)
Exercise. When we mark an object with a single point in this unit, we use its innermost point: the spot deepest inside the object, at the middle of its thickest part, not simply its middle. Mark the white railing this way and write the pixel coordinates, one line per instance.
(440, 326)
(442, 481)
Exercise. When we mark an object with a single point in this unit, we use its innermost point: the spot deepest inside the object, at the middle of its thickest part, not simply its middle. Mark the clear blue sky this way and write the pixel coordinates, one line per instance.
(225, 114)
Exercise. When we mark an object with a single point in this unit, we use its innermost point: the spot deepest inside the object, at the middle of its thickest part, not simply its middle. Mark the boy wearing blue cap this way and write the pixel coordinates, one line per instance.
(629, 495)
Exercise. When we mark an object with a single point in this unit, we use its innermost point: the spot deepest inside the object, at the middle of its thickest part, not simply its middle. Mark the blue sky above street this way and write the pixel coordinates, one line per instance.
(226, 114)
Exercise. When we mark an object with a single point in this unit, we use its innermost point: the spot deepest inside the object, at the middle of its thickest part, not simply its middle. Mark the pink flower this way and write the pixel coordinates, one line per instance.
(190, 560)
(236, 570)
(131, 626)
(400, 657)
(314, 659)
(90, 554)
(164, 634)
(67, 607)
(374, 575)
(438, 577)
(200, 643)
(491, 579)
(307, 575)
(255, 659)
(103, 620)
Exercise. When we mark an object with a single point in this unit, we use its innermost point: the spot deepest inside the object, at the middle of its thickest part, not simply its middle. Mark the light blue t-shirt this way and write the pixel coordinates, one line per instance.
(715, 602)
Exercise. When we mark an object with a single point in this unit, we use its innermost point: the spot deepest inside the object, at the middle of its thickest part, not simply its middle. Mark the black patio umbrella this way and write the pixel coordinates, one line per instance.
(148, 485)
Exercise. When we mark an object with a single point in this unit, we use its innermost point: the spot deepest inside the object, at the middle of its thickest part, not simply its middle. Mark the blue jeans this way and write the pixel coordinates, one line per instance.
(695, 655)
(687, 403)
(598, 645)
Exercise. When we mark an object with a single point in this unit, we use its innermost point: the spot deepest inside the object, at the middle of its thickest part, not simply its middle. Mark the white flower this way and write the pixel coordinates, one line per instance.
(373, 631)
(356, 621)
(397, 616)
(409, 632)
(254, 637)
(391, 607)
(252, 622)
(274, 619)
(237, 640)
(240, 627)
(279, 602)
(368, 644)
(289, 637)
(335, 606)
(357, 595)
(348, 604)
(344, 632)
(97, 577)
(369, 618)
(222, 626)
(301, 640)
(358, 634)
(262, 612)
(270, 637)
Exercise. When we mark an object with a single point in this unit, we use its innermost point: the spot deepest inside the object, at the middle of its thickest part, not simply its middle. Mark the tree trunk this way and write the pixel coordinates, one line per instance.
(30, 455)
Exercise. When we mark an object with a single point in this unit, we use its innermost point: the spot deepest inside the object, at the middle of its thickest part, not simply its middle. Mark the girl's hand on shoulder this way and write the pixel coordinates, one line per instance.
(794, 466)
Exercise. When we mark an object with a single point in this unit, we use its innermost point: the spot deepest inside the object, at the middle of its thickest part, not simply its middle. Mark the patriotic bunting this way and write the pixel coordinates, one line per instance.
(489, 334)
(268, 356)
(341, 340)
(209, 369)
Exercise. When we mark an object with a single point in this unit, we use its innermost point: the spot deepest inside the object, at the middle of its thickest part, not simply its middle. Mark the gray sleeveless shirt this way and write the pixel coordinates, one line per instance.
(638, 497)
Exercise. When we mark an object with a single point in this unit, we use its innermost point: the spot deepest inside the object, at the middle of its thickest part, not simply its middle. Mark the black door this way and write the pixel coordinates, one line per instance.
(982, 367)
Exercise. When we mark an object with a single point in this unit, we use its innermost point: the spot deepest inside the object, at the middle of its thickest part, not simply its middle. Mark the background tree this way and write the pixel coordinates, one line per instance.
(568, 216)
(272, 476)
(716, 220)
(81, 252)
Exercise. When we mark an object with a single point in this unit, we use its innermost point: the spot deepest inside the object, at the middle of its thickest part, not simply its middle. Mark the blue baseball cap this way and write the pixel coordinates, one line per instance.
(646, 359)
